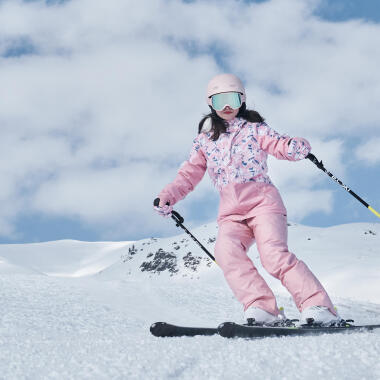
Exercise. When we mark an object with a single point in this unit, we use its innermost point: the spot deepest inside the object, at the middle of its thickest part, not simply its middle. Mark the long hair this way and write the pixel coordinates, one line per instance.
(219, 125)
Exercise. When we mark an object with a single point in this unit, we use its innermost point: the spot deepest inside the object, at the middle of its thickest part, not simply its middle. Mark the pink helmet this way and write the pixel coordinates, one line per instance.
(225, 83)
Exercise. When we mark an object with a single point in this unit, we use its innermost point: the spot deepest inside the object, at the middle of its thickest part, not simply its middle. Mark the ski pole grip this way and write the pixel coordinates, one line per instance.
(311, 157)
(174, 214)
(315, 161)
(156, 202)
(177, 217)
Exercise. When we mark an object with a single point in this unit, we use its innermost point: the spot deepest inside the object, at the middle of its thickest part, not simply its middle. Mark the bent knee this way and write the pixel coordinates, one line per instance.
(279, 263)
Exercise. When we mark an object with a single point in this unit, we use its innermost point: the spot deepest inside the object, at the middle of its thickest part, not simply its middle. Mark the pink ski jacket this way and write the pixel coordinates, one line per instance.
(239, 156)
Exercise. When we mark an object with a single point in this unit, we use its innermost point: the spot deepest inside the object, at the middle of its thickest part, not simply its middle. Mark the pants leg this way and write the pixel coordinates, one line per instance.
(270, 231)
(234, 239)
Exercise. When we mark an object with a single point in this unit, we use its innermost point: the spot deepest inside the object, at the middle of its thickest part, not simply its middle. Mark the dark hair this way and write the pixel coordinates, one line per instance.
(219, 125)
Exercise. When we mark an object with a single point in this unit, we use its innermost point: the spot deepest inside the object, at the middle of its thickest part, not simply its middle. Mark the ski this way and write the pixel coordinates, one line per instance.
(163, 329)
(234, 330)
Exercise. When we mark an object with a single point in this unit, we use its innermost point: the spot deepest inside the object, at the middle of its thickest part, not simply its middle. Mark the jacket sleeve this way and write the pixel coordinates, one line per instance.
(282, 147)
(189, 175)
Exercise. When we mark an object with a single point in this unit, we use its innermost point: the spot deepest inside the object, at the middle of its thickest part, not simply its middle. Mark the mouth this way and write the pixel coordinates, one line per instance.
(227, 112)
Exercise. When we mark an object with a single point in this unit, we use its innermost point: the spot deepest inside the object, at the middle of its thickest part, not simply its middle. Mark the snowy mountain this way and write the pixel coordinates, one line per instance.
(72, 309)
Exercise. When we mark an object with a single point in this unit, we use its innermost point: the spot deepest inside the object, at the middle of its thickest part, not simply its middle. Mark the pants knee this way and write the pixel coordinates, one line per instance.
(278, 263)
(232, 238)
(226, 252)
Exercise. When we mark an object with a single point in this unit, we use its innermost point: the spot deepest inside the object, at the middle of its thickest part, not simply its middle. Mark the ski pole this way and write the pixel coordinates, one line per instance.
(319, 165)
(179, 220)
(179, 223)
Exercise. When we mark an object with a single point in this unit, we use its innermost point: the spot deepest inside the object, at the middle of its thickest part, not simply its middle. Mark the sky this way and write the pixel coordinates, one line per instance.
(100, 102)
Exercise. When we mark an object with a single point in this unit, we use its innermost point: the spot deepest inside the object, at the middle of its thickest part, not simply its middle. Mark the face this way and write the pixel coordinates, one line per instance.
(227, 113)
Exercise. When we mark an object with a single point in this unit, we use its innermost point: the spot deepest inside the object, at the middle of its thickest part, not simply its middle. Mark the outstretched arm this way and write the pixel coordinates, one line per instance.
(281, 146)
(189, 175)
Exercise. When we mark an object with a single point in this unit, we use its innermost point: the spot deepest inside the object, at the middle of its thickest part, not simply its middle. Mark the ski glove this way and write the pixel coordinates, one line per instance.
(299, 148)
(165, 210)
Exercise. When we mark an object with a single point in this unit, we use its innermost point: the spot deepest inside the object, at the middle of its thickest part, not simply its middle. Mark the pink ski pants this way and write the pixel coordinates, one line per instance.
(267, 225)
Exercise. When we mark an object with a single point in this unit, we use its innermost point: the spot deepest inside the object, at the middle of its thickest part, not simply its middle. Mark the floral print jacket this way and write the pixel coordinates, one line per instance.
(238, 156)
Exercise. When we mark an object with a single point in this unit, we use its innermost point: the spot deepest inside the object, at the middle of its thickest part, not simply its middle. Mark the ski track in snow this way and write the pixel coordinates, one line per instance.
(97, 327)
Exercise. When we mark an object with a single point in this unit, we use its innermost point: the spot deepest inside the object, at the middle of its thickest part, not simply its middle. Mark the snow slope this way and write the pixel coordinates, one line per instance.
(78, 310)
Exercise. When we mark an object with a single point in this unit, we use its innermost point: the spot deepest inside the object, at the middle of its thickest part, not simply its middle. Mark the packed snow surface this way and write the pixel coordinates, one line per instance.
(78, 310)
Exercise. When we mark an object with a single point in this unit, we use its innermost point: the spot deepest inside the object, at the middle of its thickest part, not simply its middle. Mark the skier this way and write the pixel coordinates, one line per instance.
(232, 144)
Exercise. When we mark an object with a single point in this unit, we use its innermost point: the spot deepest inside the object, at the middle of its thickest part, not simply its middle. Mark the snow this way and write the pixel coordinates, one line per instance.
(79, 310)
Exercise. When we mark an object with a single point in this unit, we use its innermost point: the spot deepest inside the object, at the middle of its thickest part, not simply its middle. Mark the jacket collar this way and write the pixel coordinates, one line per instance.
(235, 124)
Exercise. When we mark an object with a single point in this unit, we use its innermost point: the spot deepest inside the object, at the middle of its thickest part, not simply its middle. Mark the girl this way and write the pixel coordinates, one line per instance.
(232, 144)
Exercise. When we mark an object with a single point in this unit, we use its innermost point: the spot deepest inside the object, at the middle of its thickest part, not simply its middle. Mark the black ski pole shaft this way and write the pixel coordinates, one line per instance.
(179, 223)
(319, 165)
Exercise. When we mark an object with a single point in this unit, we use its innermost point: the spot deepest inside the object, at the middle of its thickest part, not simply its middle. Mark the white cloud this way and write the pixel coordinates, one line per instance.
(100, 118)
(303, 203)
(369, 151)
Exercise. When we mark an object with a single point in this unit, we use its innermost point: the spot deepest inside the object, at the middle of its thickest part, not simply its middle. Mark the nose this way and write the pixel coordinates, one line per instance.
(227, 107)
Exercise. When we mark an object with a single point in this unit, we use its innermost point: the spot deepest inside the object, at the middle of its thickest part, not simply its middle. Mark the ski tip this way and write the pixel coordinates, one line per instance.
(157, 328)
(226, 329)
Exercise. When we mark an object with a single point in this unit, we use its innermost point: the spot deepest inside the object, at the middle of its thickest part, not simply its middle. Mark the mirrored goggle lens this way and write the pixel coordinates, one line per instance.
(219, 101)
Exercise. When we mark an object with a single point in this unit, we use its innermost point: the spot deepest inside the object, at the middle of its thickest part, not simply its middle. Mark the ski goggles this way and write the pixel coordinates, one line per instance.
(232, 99)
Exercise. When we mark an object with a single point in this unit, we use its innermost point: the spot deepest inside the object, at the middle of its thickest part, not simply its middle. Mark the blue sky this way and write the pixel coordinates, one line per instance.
(85, 136)
(342, 10)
